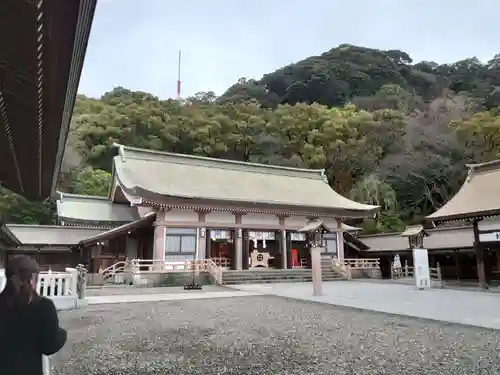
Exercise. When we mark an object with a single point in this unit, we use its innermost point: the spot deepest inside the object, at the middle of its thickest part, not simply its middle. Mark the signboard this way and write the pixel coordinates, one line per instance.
(489, 237)
(268, 236)
(295, 236)
(219, 234)
(421, 268)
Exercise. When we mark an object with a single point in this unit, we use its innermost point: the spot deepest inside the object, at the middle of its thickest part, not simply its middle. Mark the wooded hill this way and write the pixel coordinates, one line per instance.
(388, 132)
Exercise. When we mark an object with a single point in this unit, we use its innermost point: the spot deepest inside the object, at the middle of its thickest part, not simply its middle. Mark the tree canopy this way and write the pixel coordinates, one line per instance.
(387, 131)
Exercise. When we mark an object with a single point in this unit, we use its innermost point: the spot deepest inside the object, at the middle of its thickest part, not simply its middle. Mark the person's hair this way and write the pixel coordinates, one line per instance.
(19, 273)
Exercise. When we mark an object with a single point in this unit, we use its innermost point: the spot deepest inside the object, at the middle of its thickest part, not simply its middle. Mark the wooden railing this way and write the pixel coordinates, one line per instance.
(222, 262)
(138, 266)
(342, 268)
(112, 270)
(156, 265)
(407, 271)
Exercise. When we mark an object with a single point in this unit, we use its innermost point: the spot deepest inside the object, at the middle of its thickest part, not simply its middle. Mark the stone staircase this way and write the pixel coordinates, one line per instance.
(266, 275)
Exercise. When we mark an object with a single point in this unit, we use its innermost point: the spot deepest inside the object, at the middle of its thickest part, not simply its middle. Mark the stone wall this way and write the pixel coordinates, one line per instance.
(369, 273)
(170, 279)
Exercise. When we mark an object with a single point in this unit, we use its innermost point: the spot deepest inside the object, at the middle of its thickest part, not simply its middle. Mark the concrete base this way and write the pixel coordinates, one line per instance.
(65, 303)
(94, 279)
(153, 279)
(369, 273)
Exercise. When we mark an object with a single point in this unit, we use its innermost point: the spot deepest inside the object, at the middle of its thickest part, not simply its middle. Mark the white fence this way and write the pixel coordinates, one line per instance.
(61, 287)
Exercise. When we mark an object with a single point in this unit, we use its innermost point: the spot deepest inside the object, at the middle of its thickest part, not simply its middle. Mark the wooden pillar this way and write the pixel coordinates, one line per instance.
(481, 274)
(457, 263)
(283, 249)
(208, 245)
(160, 236)
(234, 255)
(245, 253)
(288, 244)
(238, 247)
(238, 242)
(201, 234)
(340, 241)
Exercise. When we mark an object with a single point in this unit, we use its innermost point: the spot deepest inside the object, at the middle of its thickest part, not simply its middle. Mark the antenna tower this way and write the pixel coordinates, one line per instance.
(179, 78)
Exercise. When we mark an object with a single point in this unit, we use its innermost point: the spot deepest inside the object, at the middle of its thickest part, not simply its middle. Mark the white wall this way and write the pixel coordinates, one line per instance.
(259, 219)
(184, 216)
(216, 218)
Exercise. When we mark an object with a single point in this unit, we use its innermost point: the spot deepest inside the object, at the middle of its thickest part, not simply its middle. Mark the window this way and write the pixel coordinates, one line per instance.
(188, 244)
(330, 245)
(180, 243)
(173, 244)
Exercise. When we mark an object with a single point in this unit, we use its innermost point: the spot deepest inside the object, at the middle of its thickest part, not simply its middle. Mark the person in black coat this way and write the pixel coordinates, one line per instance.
(29, 325)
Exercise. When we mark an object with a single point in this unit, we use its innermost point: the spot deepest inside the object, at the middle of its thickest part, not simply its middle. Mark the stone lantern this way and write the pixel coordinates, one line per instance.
(421, 271)
(315, 231)
(415, 235)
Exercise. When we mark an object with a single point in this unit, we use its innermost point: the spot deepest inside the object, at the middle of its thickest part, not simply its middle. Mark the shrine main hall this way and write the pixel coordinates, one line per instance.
(174, 207)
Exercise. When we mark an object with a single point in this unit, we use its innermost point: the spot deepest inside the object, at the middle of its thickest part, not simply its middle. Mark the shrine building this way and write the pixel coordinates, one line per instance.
(174, 207)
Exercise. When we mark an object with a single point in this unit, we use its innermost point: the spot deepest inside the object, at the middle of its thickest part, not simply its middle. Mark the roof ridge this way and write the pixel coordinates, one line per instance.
(63, 195)
(489, 166)
(14, 225)
(123, 148)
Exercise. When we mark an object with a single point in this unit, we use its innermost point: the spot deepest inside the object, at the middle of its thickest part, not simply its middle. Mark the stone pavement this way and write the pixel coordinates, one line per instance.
(463, 307)
(157, 297)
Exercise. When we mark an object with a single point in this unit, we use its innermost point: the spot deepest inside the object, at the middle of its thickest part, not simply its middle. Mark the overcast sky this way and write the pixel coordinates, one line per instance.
(135, 44)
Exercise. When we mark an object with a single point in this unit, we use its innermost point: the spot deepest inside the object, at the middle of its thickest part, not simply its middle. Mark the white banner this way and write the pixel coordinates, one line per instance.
(259, 236)
(295, 236)
(489, 237)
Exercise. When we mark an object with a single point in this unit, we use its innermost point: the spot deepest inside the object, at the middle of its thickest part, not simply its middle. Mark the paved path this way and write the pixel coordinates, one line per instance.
(157, 297)
(464, 307)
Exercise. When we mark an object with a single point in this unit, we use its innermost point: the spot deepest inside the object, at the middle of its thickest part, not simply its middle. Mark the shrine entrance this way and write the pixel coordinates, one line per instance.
(301, 255)
(220, 247)
(264, 250)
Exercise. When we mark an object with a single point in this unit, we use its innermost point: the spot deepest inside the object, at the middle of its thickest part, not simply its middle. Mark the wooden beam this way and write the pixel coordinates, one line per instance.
(481, 274)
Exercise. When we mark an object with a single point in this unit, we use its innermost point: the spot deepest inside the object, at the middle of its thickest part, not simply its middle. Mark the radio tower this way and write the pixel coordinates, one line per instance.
(179, 78)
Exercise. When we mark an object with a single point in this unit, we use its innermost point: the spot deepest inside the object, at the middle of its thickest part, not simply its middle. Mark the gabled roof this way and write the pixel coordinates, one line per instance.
(73, 208)
(441, 238)
(414, 230)
(157, 176)
(48, 234)
(317, 226)
(478, 197)
(118, 231)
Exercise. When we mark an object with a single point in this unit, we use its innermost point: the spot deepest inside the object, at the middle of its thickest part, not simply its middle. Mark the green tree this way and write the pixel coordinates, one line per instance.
(89, 181)
(371, 190)
(16, 209)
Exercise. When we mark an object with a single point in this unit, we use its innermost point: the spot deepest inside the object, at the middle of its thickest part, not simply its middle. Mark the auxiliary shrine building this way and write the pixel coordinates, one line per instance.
(172, 207)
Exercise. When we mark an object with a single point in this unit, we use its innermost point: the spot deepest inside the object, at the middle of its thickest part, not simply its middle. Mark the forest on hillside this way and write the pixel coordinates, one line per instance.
(388, 131)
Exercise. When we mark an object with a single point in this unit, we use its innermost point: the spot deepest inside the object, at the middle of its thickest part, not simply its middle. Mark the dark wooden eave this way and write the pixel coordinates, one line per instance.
(42, 48)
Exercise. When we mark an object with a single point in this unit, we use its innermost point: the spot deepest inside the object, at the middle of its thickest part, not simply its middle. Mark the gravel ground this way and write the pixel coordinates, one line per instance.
(266, 335)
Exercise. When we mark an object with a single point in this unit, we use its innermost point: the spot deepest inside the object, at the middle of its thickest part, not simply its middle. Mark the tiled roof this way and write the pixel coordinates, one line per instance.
(158, 176)
(90, 209)
(50, 234)
(478, 197)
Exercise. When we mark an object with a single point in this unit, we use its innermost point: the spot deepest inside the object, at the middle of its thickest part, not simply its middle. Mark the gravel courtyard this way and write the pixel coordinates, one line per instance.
(266, 335)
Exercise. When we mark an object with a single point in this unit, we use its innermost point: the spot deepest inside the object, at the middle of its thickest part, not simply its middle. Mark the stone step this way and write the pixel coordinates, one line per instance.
(272, 281)
(275, 275)
(264, 276)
